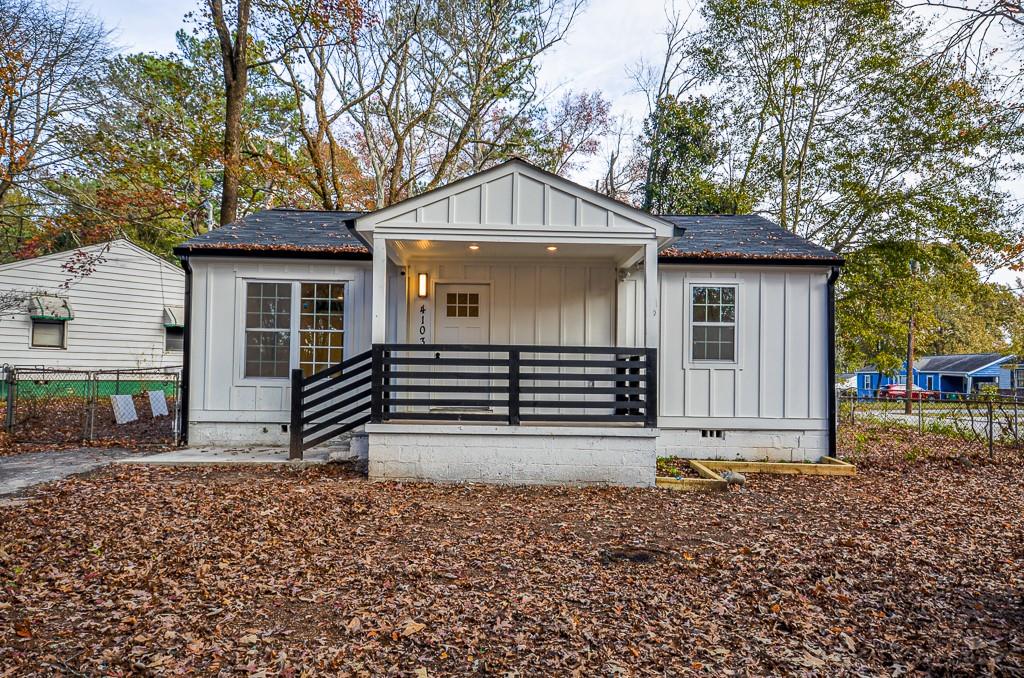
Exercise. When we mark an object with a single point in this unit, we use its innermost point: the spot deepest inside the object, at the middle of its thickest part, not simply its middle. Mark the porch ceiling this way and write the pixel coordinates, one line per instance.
(403, 251)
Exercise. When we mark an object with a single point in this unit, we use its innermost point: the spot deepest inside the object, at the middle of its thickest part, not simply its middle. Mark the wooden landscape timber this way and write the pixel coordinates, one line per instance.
(709, 481)
(828, 466)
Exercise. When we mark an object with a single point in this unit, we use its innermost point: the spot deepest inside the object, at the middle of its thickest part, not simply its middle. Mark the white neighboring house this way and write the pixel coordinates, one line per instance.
(128, 313)
(512, 326)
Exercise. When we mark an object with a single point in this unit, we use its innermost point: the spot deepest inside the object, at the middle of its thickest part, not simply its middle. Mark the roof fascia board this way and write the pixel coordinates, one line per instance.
(751, 261)
(13, 265)
(238, 253)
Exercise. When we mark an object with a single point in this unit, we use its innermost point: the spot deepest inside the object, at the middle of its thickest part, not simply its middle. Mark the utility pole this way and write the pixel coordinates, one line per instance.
(909, 405)
(910, 363)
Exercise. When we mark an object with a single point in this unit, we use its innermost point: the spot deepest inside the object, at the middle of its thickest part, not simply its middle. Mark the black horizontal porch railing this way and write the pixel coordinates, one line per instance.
(515, 384)
(330, 402)
(475, 382)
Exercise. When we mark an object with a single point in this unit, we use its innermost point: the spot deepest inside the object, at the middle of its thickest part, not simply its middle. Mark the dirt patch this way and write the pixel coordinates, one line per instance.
(675, 467)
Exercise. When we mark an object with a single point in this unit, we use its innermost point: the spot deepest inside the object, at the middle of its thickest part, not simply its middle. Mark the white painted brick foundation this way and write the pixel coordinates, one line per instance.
(516, 455)
(224, 434)
(795, 445)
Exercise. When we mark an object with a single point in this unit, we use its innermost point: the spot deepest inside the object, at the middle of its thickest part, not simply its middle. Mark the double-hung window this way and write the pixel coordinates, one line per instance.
(293, 325)
(713, 323)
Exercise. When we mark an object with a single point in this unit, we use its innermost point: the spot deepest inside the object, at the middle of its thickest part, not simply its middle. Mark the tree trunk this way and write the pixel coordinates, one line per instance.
(235, 62)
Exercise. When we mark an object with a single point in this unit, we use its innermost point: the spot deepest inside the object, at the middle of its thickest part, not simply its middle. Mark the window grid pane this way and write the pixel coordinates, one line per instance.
(268, 329)
(713, 324)
(321, 326)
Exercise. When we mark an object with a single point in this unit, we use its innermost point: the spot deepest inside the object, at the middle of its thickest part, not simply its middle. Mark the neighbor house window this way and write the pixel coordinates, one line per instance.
(867, 381)
(48, 333)
(174, 329)
(268, 319)
(174, 339)
(49, 315)
(321, 326)
(713, 324)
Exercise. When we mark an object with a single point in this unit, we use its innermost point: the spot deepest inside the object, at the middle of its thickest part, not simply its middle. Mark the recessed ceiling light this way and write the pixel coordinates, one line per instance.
(474, 247)
(552, 248)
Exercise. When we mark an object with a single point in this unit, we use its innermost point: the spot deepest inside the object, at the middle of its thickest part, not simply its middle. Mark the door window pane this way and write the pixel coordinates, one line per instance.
(321, 326)
(462, 305)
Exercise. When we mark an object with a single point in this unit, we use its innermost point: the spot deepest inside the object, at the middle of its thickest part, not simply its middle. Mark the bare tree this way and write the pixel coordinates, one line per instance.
(51, 64)
(669, 78)
(623, 170)
(454, 80)
(321, 74)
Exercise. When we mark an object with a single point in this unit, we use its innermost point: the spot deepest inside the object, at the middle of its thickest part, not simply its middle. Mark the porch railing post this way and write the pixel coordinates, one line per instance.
(651, 389)
(295, 430)
(377, 384)
(513, 387)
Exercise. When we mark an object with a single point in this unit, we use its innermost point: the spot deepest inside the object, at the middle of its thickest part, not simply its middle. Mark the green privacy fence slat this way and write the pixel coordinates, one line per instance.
(32, 388)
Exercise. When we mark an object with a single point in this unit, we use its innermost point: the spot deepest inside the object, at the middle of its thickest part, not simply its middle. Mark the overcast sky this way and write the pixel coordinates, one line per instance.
(606, 40)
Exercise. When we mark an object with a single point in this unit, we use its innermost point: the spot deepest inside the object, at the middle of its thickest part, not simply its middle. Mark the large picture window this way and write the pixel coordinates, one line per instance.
(268, 312)
(321, 326)
(713, 323)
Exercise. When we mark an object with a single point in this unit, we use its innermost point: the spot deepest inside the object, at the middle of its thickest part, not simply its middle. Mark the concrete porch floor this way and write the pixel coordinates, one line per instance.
(202, 456)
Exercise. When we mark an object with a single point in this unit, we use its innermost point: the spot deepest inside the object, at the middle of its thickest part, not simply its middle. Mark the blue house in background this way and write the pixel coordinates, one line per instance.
(953, 375)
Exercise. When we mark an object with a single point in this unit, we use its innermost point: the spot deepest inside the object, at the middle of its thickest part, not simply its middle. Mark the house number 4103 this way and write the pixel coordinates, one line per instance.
(423, 324)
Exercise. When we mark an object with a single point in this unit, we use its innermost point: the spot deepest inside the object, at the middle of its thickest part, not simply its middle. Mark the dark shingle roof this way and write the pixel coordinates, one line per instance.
(956, 363)
(740, 237)
(287, 230)
(283, 230)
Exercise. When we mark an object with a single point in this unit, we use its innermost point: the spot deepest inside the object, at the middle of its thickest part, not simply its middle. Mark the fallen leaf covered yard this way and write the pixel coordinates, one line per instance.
(511, 327)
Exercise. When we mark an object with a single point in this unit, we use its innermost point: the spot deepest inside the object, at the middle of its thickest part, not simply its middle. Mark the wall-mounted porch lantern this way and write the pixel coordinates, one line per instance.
(421, 285)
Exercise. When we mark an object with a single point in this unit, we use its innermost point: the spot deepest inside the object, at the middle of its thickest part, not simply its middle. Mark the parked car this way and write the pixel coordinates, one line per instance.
(899, 392)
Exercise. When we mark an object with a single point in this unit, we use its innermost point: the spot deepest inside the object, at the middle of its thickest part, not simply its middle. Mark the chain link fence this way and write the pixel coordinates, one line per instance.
(987, 420)
(136, 407)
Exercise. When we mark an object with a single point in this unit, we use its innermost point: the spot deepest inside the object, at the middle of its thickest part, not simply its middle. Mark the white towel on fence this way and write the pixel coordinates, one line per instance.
(158, 403)
(124, 409)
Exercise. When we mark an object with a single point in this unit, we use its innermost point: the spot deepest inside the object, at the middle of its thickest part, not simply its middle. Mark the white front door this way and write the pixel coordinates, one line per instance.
(462, 314)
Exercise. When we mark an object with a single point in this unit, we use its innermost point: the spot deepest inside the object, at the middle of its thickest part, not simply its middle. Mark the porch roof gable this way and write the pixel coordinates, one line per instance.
(514, 199)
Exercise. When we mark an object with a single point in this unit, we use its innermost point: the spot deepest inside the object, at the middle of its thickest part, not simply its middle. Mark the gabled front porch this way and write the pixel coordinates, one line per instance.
(504, 304)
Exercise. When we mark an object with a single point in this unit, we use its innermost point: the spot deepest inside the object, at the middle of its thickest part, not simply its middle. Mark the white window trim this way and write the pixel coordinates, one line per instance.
(688, 359)
(241, 296)
(64, 336)
(866, 381)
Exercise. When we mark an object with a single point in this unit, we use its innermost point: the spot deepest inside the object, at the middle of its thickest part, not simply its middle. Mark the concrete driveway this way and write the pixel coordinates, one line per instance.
(22, 471)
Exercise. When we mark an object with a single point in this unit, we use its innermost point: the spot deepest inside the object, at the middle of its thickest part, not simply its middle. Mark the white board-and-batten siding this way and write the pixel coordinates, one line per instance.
(118, 310)
(569, 303)
(226, 406)
(779, 375)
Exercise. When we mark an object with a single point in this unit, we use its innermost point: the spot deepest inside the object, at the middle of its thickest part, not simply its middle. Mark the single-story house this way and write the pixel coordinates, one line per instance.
(512, 326)
(126, 312)
(952, 375)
